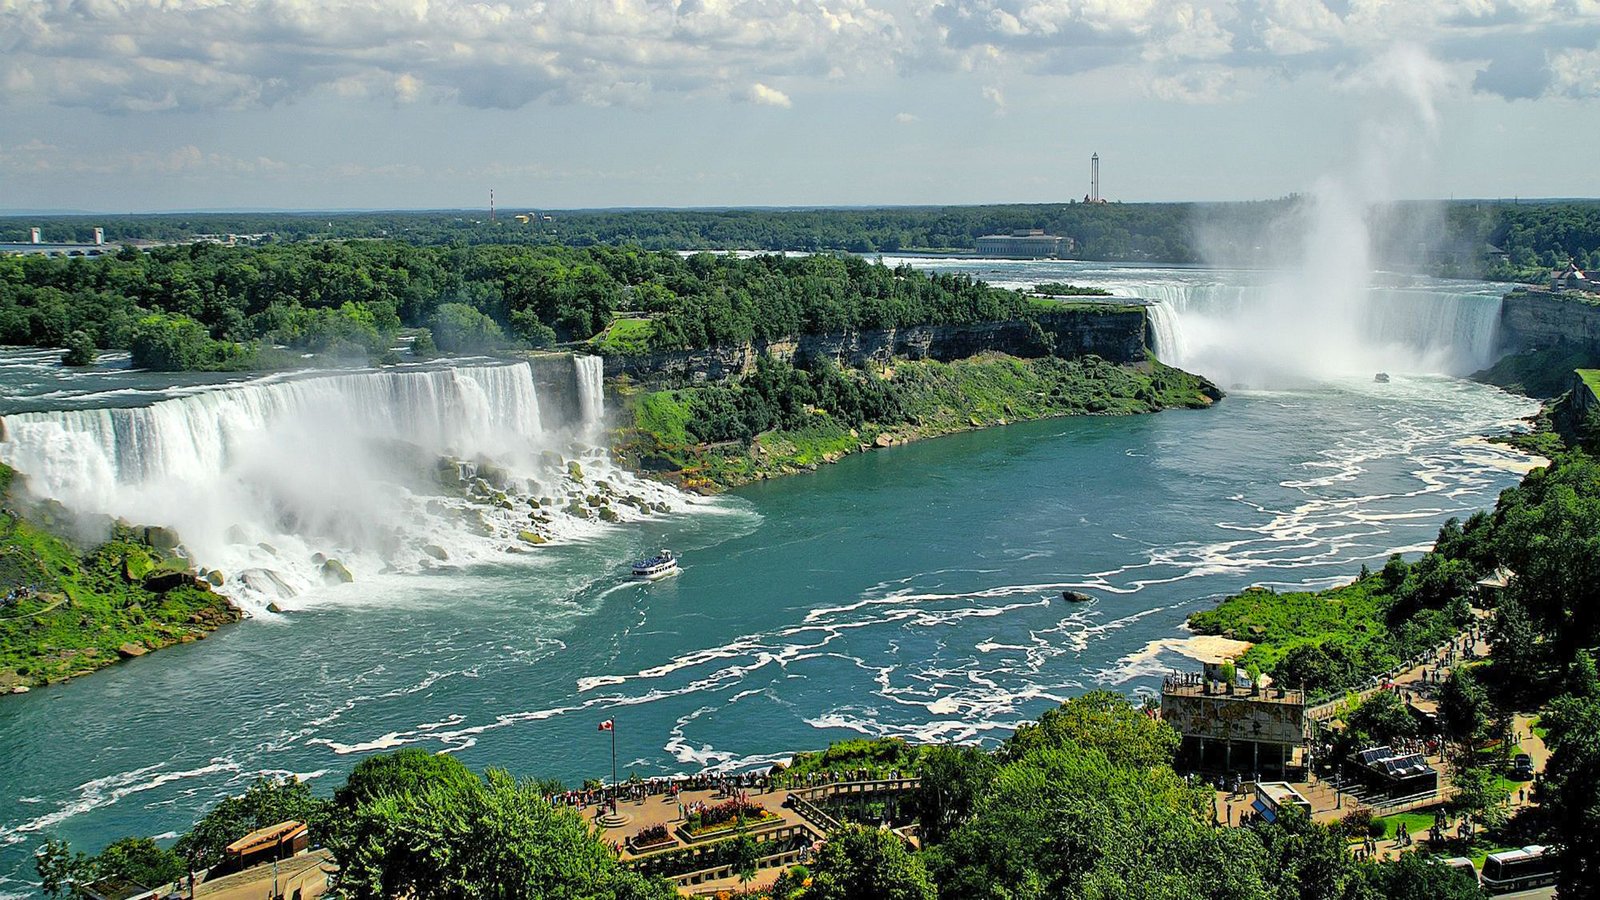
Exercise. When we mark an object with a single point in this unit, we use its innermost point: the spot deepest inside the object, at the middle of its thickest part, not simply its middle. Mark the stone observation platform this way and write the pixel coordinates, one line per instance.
(704, 862)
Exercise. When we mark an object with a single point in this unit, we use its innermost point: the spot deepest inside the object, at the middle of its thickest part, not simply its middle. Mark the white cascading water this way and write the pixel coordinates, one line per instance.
(382, 471)
(590, 372)
(1226, 331)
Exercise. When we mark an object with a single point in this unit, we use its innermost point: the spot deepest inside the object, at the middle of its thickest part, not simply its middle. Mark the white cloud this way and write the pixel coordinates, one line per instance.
(767, 96)
(141, 56)
(905, 118)
(995, 96)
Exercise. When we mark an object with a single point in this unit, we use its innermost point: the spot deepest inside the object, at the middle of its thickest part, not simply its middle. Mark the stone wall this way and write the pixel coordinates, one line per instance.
(1117, 334)
(1538, 320)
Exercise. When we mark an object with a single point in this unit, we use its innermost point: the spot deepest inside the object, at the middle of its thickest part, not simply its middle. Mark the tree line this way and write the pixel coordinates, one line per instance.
(209, 306)
(1468, 238)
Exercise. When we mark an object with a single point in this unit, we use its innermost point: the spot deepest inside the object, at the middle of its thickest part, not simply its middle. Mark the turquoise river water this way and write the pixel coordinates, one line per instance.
(913, 591)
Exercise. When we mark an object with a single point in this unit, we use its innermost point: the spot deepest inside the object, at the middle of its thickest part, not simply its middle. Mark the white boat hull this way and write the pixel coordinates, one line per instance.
(656, 575)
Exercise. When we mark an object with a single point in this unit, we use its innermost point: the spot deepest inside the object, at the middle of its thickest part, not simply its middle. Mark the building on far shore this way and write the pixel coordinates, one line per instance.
(1236, 727)
(1024, 243)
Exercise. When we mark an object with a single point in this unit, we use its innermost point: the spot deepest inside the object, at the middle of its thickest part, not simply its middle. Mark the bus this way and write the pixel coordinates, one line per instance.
(1518, 870)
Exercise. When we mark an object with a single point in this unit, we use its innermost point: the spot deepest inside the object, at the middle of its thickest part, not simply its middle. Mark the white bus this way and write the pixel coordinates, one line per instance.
(1518, 870)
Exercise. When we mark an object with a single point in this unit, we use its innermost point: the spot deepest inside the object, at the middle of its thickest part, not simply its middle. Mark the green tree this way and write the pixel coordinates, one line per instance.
(1100, 720)
(141, 860)
(404, 771)
(1415, 876)
(1383, 717)
(1518, 656)
(81, 350)
(458, 328)
(953, 779)
(860, 863)
(494, 838)
(1463, 708)
(1479, 795)
(422, 346)
(59, 867)
(267, 802)
(1570, 793)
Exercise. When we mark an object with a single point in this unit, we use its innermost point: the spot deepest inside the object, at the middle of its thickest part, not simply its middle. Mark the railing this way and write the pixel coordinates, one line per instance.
(852, 788)
(813, 814)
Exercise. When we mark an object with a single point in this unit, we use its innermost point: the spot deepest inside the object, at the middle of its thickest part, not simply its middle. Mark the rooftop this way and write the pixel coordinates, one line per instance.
(1194, 686)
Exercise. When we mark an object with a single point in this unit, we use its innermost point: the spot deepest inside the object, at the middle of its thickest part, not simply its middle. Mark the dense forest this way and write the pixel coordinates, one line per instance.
(1467, 238)
(208, 306)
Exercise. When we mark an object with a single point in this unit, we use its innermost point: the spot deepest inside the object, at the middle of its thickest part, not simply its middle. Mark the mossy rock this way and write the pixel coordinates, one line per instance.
(575, 471)
(163, 539)
(215, 577)
(136, 564)
(607, 514)
(334, 572)
(436, 551)
(533, 537)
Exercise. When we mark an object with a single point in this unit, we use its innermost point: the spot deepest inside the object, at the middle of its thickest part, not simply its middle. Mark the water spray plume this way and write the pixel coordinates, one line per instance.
(1319, 312)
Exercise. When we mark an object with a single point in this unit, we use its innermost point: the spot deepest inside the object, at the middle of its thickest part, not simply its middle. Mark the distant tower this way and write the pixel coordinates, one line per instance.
(491, 206)
(1094, 178)
(34, 235)
(99, 237)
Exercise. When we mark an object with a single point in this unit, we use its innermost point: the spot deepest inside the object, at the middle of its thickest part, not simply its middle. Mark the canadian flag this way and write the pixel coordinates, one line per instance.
(608, 725)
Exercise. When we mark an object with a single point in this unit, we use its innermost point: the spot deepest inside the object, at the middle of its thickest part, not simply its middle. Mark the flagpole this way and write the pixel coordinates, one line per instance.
(613, 766)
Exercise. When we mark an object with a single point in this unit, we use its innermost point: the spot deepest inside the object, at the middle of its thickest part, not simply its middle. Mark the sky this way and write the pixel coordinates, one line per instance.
(139, 105)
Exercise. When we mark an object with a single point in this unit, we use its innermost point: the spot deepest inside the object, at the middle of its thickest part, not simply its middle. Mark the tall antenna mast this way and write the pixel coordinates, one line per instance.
(491, 206)
(1094, 178)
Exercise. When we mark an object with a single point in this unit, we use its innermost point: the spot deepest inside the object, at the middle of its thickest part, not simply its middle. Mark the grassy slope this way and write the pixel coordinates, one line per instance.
(1354, 615)
(939, 398)
(84, 606)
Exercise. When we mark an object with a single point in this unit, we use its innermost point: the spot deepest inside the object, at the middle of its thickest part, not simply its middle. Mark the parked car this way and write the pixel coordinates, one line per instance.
(1522, 767)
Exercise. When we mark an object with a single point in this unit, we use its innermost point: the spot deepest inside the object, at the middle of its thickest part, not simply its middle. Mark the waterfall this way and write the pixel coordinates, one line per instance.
(384, 471)
(591, 393)
(1255, 332)
(1166, 332)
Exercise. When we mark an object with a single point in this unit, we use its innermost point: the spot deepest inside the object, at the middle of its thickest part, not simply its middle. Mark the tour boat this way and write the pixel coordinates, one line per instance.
(662, 565)
(1381, 378)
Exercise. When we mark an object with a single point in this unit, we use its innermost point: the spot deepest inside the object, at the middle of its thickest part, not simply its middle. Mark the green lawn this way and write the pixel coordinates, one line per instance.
(1591, 377)
(625, 336)
(1417, 823)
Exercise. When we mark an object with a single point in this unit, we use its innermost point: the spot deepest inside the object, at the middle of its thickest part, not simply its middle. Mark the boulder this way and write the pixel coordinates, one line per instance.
(575, 471)
(883, 440)
(20, 689)
(607, 514)
(334, 572)
(215, 578)
(131, 650)
(1076, 597)
(436, 551)
(163, 539)
(136, 565)
(273, 607)
(162, 580)
(533, 537)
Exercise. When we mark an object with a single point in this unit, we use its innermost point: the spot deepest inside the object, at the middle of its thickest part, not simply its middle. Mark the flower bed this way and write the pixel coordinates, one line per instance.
(726, 816)
(654, 837)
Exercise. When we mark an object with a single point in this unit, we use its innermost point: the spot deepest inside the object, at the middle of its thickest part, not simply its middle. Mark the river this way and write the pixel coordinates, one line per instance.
(913, 591)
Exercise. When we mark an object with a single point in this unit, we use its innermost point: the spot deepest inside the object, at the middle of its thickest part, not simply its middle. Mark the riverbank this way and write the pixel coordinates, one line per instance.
(66, 611)
(666, 430)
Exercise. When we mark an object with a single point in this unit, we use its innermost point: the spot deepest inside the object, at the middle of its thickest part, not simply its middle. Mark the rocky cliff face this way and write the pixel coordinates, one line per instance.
(1541, 320)
(1116, 334)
